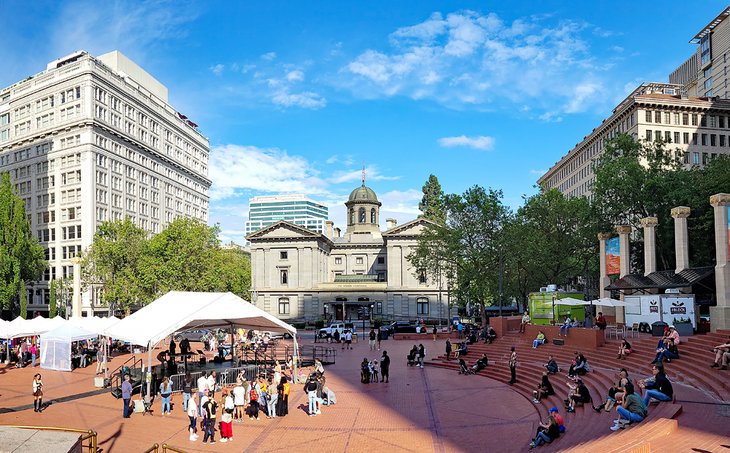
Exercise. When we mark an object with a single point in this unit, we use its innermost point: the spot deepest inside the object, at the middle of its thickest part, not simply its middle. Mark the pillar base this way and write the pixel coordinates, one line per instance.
(719, 318)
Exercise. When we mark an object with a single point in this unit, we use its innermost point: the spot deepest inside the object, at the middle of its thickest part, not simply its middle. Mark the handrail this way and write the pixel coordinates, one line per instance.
(166, 447)
(154, 448)
(90, 434)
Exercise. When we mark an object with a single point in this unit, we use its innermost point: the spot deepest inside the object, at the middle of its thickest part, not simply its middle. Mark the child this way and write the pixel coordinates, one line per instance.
(374, 371)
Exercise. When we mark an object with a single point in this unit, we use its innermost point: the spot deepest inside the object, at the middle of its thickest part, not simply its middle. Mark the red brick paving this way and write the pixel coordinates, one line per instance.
(457, 413)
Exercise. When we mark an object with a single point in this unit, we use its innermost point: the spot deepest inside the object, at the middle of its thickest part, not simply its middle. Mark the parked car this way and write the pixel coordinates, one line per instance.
(193, 335)
(277, 335)
(399, 327)
(337, 326)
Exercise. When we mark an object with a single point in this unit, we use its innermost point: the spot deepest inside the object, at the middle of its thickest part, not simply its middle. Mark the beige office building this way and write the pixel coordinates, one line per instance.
(93, 139)
(298, 273)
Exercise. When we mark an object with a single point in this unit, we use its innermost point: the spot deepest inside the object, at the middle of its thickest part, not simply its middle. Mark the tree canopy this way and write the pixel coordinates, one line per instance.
(432, 204)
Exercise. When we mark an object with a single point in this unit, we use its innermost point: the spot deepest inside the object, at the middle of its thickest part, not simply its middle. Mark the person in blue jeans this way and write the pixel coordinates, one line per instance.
(166, 393)
(126, 394)
(660, 388)
(566, 325)
(311, 388)
(632, 410)
(546, 433)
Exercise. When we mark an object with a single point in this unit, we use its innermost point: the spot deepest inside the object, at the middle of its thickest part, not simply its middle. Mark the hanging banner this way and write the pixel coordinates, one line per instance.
(613, 256)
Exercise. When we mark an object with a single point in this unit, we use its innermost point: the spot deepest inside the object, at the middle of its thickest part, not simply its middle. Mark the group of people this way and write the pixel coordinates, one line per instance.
(417, 355)
(318, 392)
(374, 371)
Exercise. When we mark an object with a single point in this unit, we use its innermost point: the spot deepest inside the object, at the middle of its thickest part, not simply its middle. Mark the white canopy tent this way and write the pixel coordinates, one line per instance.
(56, 350)
(608, 302)
(177, 311)
(571, 301)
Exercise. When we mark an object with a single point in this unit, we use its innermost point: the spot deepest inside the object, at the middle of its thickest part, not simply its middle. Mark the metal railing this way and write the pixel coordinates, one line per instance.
(87, 435)
(165, 448)
(224, 377)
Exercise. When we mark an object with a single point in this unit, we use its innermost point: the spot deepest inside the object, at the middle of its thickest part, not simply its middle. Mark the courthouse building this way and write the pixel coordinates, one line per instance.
(298, 273)
(93, 139)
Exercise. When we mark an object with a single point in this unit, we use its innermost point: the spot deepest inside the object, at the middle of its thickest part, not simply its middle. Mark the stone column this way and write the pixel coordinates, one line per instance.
(720, 314)
(681, 242)
(623, 238)
(603, 279)
(76, 298)
(649, 224)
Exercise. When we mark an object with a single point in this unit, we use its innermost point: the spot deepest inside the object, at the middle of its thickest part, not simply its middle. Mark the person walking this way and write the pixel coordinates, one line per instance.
(227, 417)
(166, 394)
(372, 338)
(435, 332)
(421, 354)
(126, 394)
(348, 339)
(385, 366)
(37, 393)
(380, 337)
(187, 390)
(33, 352)
(192, 412)
(100, 363)
(210, 408)
(513, 366)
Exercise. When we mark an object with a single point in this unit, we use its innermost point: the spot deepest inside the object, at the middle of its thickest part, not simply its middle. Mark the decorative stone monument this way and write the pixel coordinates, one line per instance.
(681, 241)
(649, 224)
(720, 314)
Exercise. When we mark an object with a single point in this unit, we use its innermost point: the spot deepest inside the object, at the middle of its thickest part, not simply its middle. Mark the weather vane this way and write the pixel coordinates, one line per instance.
(363, 173)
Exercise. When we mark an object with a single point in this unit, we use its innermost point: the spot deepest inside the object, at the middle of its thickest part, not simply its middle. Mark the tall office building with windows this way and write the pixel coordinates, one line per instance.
(93, 139)
(297, 209)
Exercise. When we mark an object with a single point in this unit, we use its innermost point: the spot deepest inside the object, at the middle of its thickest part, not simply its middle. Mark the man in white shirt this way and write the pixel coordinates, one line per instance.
(525, 322)
(202, 387)
(211, 384)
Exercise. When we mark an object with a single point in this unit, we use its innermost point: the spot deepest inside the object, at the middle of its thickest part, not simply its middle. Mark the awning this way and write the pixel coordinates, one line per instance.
(662, 280)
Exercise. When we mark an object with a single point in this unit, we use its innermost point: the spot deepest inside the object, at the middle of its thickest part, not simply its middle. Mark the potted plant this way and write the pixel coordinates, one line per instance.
(683, 327)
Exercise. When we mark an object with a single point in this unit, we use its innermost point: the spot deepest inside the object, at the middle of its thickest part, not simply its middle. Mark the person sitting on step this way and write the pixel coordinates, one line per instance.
(491, 335)
(632, 410)
(579, 366)
(566, 325)
(579, 394)
(544, 389)
(616, 392)
(668, 353)
(463, 350)
(546, 432)
(552, 366)
(540, 339)
(480, 364)
(722, 356)
(624, 349)
(659, 387)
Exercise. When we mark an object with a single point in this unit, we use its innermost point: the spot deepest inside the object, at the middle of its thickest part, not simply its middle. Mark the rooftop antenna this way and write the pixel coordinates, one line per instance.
(363, 173)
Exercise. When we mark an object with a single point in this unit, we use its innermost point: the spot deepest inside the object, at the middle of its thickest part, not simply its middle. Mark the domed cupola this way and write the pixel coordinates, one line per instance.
(363, 210)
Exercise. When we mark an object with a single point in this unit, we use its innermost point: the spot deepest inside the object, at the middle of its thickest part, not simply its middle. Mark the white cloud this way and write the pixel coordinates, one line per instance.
(269, 56)
(217, 69)
(551, 117)
(295, 76)
(305, 99)
(372, 173)
(479, 142)
(332, 159)
(538, 172)
(470, 59)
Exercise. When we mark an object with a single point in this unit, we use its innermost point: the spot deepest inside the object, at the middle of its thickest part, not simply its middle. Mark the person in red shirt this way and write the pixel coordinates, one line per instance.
(601, 321)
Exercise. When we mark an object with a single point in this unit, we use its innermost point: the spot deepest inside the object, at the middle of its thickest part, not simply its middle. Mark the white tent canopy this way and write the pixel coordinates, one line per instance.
(571, 301)
(56, 350)
(608, 302)
(176, 311)
(95, 323)
(20, 327)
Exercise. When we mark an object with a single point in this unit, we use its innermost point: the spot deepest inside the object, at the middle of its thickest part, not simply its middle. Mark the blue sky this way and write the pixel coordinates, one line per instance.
(297, 96)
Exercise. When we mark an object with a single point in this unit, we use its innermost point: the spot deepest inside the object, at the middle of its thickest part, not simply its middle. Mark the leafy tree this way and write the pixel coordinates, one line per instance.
(53, 303)
(21, 257)
(466, 245)
(552, 239)
(23, 300)
(115, 259)
(234, 271)
(432, 204)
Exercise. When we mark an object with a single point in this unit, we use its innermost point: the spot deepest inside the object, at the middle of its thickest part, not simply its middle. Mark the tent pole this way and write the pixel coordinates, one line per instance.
(148, 376)
(295, 360)
(233, 347)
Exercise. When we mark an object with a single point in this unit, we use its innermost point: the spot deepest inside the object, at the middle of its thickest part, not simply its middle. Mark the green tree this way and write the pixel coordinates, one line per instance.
(23, 300)
(21, 257)
(466, 246)
(551, 239)
(115, 260)
(53, 302)
(234, 271)
(432, 204)
(183, 257)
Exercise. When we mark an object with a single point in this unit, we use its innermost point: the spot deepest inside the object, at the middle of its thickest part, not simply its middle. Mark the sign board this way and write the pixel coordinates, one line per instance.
(613, 256)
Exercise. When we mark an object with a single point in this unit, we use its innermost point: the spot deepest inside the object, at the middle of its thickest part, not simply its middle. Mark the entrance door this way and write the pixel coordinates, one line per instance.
(338, 312)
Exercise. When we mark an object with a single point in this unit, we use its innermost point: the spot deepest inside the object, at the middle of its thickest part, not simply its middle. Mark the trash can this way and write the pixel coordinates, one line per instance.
(657, 328)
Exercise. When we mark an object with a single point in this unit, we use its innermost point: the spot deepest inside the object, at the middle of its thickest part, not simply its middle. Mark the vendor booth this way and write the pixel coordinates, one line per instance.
(57, 352)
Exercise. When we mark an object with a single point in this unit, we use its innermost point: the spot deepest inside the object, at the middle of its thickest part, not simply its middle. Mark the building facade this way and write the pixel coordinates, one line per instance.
(297, 209)
(94, 139)
(698, 129)
(297, 273)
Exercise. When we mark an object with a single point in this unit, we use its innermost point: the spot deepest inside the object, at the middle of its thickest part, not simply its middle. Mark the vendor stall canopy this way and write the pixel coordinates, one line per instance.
(178, 311)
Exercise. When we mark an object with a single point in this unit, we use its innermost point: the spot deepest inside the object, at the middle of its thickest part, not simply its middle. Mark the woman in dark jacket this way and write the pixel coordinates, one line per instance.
(282, 403)
(544, 389)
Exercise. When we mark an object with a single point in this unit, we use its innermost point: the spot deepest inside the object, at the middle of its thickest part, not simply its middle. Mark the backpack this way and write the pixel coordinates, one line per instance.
(253, 395)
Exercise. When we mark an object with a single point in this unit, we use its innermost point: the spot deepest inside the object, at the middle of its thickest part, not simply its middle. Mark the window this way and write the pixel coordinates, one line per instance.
(685, 138)
(649, 136)
(361, 215)
(648, 116)
(284, 277)
(422, 305)
(667, 118)
(422, 277)
(381, 276)
(722, 140)
(713, 141)
(352, 216)
(658, 117)
(667, 136)
(676, 119)
(703, 121)
(704, 139)
(694, 119)
(676, 137)
(381, 260)
(283, 305)
(283, 255)
(695, 158)
(686, 157)
(705, 158)
(685, 119)
(694, 138)
(358, 260)
(338, 260)
(372, 216)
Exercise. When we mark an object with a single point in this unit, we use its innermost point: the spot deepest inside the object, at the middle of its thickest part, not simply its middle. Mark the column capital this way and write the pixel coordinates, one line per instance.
(681, 212)
(623, 229)
(75, 260)
(720, 199)
(649, 222)
(604, 236)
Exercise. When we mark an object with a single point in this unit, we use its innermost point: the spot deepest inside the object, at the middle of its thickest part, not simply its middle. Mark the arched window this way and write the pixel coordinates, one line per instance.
(372, 216)
(422, 305)
(361, 215)
(283, 305)
(352, 216)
